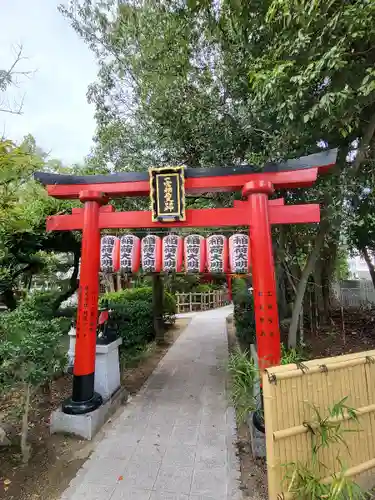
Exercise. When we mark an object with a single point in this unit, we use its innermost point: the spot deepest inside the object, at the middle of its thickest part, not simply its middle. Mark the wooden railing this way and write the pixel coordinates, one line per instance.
(201, 301)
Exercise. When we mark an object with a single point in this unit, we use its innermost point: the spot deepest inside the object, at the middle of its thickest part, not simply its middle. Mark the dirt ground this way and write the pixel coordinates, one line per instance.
(56, 459)
(350, 330)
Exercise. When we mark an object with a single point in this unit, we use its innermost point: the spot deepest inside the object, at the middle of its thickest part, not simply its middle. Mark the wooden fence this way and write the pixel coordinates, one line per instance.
(290, 393)
(354, 293)
(200, 301)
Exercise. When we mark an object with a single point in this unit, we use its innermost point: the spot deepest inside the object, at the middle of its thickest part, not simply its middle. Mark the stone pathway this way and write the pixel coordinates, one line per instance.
(175, 439)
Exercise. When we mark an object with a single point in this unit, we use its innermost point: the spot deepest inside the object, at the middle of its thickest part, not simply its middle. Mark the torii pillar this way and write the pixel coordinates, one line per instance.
(84, 399)
(263, 272)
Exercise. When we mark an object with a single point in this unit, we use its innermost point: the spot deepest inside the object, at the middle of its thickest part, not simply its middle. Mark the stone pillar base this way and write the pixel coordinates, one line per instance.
(107, 369)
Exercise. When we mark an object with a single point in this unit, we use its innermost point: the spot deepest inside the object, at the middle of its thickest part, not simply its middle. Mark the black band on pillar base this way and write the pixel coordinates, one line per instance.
(258, 416)
(84, 399)
(83, 387)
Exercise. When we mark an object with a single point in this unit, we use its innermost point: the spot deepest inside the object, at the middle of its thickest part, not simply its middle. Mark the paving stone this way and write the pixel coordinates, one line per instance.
(141, 475)
(210, 457)
(89, 492)
(174, 479)
(125, 493)
(209, 481)
(180, 456)
(165, 495)
(151, 452)
(205, 497)
(185, 435)
(104, 471)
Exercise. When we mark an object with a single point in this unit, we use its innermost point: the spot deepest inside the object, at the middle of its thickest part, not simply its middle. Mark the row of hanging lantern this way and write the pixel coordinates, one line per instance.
(196, 254)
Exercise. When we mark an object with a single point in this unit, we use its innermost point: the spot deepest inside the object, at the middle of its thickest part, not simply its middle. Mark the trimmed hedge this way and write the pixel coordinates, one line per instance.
(133, 314)
(244, 317)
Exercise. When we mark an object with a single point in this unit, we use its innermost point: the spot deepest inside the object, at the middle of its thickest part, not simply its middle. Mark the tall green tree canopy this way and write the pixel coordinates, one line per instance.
(205, 82)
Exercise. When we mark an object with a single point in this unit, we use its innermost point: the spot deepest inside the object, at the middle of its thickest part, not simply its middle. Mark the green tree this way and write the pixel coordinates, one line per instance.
(24, 206)
(361, 218)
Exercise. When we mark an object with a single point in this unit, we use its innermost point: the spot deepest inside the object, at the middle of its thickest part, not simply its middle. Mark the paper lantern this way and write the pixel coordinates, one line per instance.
(172, 253)
(109, 254)
(130, 253)
(151, 254)
(217, 254)
(239, 253)
(195, 253)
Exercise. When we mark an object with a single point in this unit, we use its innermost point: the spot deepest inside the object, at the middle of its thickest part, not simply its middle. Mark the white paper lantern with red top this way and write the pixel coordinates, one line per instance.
(109, 254)
(239, 253)
(151, 252)
(195, 253)
(173, 251)
(130, 253)
(217, 254)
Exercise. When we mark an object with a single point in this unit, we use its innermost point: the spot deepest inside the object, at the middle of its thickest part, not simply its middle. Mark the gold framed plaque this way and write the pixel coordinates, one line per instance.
(167, 193)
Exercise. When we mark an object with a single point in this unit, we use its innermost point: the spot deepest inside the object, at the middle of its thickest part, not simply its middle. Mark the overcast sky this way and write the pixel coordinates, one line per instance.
(55, 109)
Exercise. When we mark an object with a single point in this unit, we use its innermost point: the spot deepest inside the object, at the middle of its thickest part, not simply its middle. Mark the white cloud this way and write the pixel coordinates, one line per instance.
(55, 108)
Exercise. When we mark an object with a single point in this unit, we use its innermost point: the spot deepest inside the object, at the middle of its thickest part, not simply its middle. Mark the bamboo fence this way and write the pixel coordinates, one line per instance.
(290, 395)
(200, 301)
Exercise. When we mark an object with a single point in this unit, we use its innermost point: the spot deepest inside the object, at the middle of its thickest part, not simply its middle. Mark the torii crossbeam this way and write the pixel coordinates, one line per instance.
(256, 211)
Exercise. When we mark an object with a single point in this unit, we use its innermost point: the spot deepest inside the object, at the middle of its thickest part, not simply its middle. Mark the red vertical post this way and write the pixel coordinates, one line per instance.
(229, 284)
(84, 399)
(263, 273)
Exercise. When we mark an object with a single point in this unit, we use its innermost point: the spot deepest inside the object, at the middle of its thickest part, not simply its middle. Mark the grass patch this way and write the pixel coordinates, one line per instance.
(133, 356)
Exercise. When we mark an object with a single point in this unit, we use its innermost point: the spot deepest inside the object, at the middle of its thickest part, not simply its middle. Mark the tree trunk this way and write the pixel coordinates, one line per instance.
(25, 448)
(9, 299)
(369, 263)
(301, 287)
(319, 286)
(73, 282)
(157, 304)
(280, 275)
(46, 390)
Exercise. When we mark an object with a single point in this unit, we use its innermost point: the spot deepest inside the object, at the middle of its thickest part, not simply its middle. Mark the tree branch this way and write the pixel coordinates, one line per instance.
(364, 145)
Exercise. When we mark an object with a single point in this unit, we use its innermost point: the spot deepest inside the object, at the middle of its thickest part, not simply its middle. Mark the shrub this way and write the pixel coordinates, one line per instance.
(30, 355)
(67, 312)
(244, 317)
(239, 285)
(133, 313)
(134, 320)
(170, 308)
(292, 355)
(243, 374)
(41, 303)
(204, 288)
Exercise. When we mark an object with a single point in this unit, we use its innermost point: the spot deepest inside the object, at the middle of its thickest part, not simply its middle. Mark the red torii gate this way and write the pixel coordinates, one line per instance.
(256, 211)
